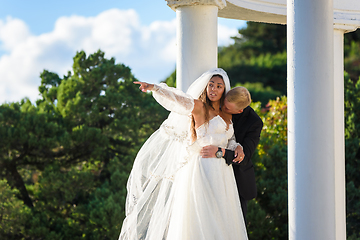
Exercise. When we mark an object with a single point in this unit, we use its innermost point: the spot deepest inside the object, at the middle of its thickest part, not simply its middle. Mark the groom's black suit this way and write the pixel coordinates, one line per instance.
(247, 129)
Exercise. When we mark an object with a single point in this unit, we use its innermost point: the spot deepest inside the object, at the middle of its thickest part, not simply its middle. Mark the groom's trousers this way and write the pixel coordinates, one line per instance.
(243, 203)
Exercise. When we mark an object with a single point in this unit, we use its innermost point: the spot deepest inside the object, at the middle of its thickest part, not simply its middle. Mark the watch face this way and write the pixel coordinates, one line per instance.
(219, 154)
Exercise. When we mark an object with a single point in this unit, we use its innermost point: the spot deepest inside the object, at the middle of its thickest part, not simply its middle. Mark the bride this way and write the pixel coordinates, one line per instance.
(174, 193)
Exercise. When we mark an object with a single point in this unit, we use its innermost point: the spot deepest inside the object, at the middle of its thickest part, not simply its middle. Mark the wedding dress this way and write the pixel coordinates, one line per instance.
(174, 193)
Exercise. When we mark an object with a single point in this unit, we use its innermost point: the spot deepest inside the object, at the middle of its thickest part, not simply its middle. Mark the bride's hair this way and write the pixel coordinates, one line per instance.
(207, 104)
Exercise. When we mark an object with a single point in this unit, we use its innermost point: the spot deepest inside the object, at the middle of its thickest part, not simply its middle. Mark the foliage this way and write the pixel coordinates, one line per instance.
(269, 209)
(171, 80)
(65, 160)
(259, 38)
(259, 93)
(13, 212)
(352, 59)
(257, 59)
(257, 56)
(268, 69)
(352, 146)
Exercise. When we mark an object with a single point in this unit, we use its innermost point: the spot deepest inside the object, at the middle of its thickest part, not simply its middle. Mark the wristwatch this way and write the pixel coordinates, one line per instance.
(219, 153)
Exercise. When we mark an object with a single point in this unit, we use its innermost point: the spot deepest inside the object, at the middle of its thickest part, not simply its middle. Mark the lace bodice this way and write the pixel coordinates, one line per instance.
(217, 133)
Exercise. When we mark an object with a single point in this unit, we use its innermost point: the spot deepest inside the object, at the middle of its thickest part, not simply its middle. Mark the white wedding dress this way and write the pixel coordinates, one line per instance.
(206, 201)
(174, 193)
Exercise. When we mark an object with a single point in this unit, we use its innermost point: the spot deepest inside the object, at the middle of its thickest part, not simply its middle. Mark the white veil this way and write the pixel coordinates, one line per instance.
(198, 86)
(149, 199)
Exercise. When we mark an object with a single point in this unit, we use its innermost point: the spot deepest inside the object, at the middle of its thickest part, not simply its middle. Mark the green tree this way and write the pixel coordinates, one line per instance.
(351, 54)
(257, 56)
(171, 80)
(67, 157)
(257, 60)
(269, 209)
(261, 38)
(28, 134)
(259, 93)
(352, 146)
(13, 212)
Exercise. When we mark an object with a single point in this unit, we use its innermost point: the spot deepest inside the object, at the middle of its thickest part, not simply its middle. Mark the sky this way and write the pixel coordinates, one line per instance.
(42, 34)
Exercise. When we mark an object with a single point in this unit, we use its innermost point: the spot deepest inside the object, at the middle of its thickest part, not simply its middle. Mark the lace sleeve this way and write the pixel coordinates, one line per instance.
(173, 99)
(232, 144)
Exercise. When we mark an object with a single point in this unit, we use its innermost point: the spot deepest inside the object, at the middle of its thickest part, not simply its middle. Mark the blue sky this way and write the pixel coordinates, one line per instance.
(39, 34)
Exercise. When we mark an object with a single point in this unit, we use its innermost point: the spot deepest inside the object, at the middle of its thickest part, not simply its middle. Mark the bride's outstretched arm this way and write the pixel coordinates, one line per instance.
(171, 98)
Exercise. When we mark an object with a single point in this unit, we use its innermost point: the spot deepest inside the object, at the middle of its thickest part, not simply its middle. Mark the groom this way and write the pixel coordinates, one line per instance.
(247, 128)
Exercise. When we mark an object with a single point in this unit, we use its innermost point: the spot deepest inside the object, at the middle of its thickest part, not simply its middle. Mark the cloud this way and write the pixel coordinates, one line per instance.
(12, 33)
(224, 35)
(149, 50)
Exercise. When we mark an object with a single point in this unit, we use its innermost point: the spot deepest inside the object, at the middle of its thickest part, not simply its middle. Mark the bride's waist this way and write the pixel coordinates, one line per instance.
(205, 141)
(196, 146)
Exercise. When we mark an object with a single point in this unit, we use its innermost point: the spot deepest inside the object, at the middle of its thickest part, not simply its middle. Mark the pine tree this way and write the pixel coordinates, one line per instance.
(67, 158)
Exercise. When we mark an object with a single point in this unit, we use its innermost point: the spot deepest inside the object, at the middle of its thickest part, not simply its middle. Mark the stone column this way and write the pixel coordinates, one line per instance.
(196, 38)
(311, 123)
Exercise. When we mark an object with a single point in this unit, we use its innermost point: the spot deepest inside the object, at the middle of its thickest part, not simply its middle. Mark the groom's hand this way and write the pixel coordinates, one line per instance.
(208, 151)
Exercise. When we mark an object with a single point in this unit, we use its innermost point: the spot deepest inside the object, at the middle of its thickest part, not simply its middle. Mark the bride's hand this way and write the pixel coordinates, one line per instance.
(208, 151)
(239, 154)
(145, 86)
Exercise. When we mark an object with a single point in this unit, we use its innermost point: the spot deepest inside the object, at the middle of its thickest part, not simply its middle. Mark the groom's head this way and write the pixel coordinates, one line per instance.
(236, 100)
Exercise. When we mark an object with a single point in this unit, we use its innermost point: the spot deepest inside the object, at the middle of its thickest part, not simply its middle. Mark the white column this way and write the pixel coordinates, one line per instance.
(311, 155)
(196, 42)
(339, 137)
(196, 39)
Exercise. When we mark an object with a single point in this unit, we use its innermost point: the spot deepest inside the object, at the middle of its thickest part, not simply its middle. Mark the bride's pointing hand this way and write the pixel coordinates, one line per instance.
(145, 86)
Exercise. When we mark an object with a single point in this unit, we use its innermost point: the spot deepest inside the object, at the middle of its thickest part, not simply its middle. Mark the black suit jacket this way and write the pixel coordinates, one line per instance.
(247, 128)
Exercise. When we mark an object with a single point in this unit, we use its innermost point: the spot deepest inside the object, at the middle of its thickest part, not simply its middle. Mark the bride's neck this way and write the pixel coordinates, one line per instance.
(216, 106)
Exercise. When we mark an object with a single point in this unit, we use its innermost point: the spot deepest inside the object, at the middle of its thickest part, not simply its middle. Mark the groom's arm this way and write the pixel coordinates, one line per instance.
(250, 141)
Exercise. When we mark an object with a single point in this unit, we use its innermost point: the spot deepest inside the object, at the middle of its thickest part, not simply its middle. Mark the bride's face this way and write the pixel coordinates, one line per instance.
(215, 88)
